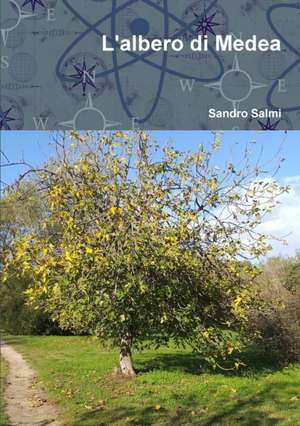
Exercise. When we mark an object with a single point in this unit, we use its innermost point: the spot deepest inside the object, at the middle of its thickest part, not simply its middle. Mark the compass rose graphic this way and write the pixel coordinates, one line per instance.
(33, 3)
(21, 15)
(236, 85)
(90, 108)
(84, 76)
(206, 23)
(268, 125)
(155, 62)
(5, 119)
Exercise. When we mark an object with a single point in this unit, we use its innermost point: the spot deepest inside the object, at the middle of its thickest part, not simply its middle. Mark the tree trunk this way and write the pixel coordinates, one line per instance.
(126, 366)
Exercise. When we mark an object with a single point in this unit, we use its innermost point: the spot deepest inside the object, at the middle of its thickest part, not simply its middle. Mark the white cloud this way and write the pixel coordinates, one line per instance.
(292, 180)
(284, 221)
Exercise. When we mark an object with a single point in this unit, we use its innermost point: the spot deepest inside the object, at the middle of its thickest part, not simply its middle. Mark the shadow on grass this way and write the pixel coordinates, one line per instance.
(264, 405)
(187, 363)
(257, 407)
(255, 360)
(255, 363)
(228, 411)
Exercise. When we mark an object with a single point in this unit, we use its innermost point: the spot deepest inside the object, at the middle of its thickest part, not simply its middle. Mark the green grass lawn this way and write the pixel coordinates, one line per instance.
(77, 373)
(3, 374)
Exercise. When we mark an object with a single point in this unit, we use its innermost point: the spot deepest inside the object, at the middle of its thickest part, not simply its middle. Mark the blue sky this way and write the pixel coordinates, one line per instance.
(35, 148)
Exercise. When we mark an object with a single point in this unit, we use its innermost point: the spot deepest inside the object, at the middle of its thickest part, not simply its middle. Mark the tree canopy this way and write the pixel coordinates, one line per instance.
(146, 243)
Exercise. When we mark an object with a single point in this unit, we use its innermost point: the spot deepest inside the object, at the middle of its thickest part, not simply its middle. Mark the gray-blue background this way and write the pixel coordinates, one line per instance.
(42, 56)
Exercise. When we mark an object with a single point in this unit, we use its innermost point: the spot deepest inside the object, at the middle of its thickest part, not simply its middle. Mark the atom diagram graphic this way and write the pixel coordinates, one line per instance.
(104, 124)
(85, 76)
(206, 23)
(163, 69)
(228, 77)
(33, 3)
(289, 45)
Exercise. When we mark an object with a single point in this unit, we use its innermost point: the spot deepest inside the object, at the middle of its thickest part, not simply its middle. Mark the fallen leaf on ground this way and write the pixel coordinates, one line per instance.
(295, 398)
(88, 407)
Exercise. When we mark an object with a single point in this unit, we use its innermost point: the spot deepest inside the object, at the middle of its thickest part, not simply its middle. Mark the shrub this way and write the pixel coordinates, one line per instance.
(17, 317)
(277, 321)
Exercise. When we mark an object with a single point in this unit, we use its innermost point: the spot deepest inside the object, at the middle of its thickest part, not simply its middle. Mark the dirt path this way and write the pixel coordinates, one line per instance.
(26, 403)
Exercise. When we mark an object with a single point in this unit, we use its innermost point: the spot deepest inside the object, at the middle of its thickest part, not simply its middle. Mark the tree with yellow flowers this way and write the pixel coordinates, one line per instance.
(145, 243)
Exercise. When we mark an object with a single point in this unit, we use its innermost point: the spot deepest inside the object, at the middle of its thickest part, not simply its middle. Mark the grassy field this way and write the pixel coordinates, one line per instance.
(3, 374)
(170, 389)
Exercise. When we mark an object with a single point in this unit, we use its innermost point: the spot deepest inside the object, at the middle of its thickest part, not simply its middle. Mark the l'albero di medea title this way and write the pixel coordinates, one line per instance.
(227, 43)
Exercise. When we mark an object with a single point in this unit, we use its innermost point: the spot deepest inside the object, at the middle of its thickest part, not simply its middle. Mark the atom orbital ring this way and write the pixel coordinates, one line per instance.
(290, 47)
(163, 69)
(21, 15)
(163, 66)
(136, 57)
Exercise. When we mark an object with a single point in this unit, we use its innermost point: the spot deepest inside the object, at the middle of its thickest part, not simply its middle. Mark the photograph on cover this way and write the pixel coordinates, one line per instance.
(150, 277)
